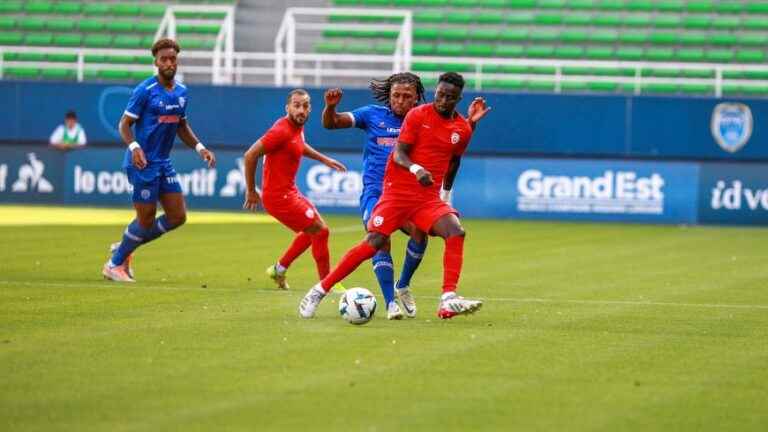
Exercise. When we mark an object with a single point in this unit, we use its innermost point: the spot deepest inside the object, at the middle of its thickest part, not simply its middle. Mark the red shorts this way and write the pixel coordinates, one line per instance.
(392, 212)
(292, 210)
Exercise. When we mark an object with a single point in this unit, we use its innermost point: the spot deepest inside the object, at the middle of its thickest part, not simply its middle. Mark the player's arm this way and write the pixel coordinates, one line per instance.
(331, 118)
(138, 158)
(188, 137)
(402, 158)
(251, 162)
(450, 176)
(311, 153)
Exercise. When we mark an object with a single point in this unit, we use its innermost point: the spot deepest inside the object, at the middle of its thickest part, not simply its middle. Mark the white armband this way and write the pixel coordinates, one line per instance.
(415, 168)
(133, 146)
(199, 147)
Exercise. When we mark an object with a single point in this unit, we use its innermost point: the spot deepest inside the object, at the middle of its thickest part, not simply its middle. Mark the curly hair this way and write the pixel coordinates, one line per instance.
(382, 88)
(452, 78)
(164, 43)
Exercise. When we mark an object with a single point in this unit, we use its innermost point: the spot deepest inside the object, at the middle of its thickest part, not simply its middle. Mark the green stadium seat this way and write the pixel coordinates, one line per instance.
(146, 26)
(659, 88)
(21, 72)
(67, 40)
(697, 88)
(573, 36)
(9, 7)
(521, 4)
(63, 58)
(629, 53)
(670, 6)
(58, 74)
(753, 39)
(756, 75)
(446, 49)
(539, 51)
(90, 26)
(359, 48)
(755, 90)
(551, 4)
(38, 7)
(581, 4)
(750, 56)
(598, 53)
(507, 84)
(10, 38)
(726, 23)
(96, 9)
(120, 26)
(423, 49)
(757, 7)
(607, 20)
(493, 4)
(577, 19)
(548, 19)
(7, 23)
(611, 4)
(126, 9)
(454, 33)
(541, 86)
(544, 35)
(514, 34)
(428, 16)
(572, 86)
(480, 50)
(690, 54)
(60, 25)
(140, 75)
(31, 24)
(639, 5)
(637, 21)
(434, 3)
(520, 18)
(326, 47)
(728, 7)
(689, 38)
(722, 39)
(659, 38)
(661, 73)
(756, 24)
(114, 74)
(97, 41)
(634, 37)
(667, 21)
(489, 18)
(510, 51)
(153, 10)
(484, 34)
(30, 57)
(699, 6)
(568, 52)
(424, 33)
(719, 55)
(696, 21)
(458, 17)
(696, 73)
(67, 8)
(124, 41)
(38, 39)
(384, 48)
(602, 86)
(604, 36)
(660, 54)
(425, 67)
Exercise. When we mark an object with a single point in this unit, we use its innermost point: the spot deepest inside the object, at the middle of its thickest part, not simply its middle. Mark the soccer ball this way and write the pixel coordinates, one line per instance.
(357, 305)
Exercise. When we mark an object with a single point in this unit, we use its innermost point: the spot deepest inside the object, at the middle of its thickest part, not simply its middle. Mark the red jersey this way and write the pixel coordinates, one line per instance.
(283, 147)
(434, 140)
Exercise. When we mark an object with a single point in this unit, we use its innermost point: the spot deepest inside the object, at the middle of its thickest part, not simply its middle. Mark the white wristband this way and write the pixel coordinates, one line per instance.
(199, 147)
(414, 168)
(133, 146)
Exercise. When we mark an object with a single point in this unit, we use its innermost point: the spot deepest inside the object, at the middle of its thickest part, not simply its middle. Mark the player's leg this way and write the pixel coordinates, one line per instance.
(276, 272)
(449, 228)
(174, 215)
(414, 253)
(388, 215)
(117, 267)
(383, 267)
(319, 233)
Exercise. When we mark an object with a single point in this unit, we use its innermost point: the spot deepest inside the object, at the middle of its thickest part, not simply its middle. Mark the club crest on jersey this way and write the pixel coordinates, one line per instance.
(378, 220)
(145, 193)
(455, 138)
(182, 101)
(310, 214)
(731, 126)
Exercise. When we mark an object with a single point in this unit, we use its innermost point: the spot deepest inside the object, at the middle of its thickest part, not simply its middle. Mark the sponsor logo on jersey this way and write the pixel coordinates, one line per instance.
(731, 126)
(455, 137)
(386, 141)
(613, 192)
(168, 119)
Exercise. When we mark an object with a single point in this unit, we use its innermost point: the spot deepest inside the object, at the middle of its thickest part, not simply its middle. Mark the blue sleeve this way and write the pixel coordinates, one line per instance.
(184, 105)
(137, 102)
(361, 116)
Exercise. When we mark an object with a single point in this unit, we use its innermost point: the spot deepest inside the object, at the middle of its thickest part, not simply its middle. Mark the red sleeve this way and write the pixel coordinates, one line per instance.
(464, 143)
(274, 139)
(409, 132)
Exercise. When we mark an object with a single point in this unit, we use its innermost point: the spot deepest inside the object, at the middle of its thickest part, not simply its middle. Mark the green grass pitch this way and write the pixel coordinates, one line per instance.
(585, 327)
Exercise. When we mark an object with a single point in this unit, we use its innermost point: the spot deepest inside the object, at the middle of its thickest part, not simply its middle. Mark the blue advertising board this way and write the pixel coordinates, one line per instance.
(527, 125)
(557, 189)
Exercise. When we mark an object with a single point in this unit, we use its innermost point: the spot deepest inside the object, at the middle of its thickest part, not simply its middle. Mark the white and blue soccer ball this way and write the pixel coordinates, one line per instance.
(357, 305)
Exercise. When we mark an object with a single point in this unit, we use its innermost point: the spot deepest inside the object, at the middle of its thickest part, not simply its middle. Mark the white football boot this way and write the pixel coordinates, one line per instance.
(128, 261)
(394, 312)
(311, 301)
(116, 273)
(452, 305)
(409, 303)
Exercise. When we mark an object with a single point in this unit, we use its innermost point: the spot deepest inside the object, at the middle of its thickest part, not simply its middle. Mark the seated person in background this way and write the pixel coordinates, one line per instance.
(69, 135)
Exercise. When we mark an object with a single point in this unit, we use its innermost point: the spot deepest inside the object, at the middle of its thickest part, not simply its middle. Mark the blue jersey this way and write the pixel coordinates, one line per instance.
(158, 112)
(382, 127)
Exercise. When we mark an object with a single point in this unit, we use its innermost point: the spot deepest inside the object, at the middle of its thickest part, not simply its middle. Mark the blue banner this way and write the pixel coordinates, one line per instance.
(519, 124)
(733, 194)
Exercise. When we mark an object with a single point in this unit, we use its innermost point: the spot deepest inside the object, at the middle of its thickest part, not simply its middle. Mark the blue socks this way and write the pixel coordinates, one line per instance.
(414, 252)
(135, 236)
(385, 273)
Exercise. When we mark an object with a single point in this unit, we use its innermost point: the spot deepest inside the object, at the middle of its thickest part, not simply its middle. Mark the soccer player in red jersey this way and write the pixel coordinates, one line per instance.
(283, 144)
(432, 140)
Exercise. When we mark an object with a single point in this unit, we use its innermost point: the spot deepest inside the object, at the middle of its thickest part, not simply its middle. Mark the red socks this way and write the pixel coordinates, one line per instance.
(300, 243)
(453, 258)
(349, 262)
(320, 252)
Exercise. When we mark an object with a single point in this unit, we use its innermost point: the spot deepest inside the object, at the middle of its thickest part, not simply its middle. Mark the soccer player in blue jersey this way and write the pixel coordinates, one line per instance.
(381, 123)
(158, 110)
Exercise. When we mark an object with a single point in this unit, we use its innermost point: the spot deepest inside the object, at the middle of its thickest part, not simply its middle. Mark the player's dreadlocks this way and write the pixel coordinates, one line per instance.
(381, 88)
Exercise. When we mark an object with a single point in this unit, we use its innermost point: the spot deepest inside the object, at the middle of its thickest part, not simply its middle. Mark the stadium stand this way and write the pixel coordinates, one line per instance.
(695, 31)
(117, 27)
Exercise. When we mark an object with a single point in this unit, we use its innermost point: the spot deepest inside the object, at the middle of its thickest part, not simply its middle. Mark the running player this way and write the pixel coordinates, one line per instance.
(381, 123)
(157, 108)
(283, 144)
(432, 140)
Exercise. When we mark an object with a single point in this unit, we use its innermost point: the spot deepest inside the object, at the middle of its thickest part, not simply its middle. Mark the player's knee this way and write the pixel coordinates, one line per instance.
(146, 221)
(456, 231)
(377, 240)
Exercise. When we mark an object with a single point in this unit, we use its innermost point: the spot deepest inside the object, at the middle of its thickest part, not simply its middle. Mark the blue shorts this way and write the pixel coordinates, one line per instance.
(368, 201)
(152, 182)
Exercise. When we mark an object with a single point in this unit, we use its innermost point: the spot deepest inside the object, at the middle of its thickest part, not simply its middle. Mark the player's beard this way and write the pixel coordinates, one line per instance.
(169, 74)
(297, 121)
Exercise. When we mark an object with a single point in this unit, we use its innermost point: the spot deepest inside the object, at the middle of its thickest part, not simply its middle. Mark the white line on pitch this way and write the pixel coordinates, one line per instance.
(617, 302)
